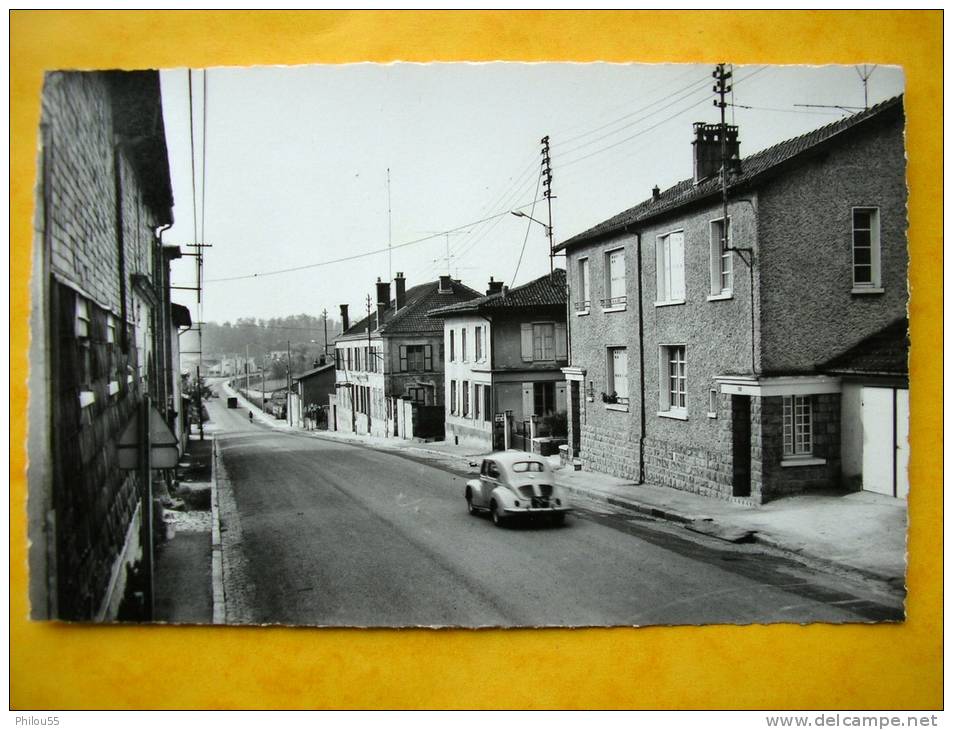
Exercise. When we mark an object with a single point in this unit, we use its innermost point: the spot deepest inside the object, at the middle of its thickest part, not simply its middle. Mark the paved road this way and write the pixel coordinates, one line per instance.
(320, 532)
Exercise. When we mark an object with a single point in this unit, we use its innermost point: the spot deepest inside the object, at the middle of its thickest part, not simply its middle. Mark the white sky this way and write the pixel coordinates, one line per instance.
(296, 161)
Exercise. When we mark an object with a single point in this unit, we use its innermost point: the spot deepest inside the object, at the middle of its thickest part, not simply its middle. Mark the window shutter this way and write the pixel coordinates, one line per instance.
(678, 266)
(526, 342)
(560, 397)
(527, 400)
(428, 357)
(560, 341)
(403, 358)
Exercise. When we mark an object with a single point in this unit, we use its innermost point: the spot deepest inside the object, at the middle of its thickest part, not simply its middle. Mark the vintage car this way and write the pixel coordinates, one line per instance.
(515, 483)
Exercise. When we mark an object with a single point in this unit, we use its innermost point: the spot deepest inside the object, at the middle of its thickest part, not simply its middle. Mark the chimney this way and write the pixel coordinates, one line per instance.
(383, 299)
(506, 290)
(494, 287)
(400, 290)
(656, 193)
(445, 286)
(321, 361)
(345, 322)
(707, 150)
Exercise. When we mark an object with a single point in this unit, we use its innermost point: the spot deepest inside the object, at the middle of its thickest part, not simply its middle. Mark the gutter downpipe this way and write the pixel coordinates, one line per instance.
(638, 253)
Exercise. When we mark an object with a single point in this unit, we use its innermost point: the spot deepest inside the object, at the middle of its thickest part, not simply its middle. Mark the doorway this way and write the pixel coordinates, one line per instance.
(741, 446)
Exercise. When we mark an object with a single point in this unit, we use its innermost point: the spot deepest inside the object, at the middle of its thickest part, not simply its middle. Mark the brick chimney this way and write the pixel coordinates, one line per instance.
(493, 287)
(445, 285)
(656, 193)
(707, 150)
(345, 322)
(400, 290)
(383, 299)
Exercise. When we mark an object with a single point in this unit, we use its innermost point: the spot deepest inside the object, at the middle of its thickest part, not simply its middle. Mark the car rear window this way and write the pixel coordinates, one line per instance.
(521, 466)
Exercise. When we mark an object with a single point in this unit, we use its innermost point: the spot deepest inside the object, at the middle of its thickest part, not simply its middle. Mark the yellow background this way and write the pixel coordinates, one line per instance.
(886, 666)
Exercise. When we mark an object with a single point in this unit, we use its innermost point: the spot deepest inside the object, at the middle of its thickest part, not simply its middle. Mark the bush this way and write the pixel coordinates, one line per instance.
(554, 424)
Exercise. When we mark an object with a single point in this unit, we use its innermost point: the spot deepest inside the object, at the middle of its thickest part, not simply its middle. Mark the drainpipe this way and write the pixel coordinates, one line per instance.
(120, 244)
(638, 268)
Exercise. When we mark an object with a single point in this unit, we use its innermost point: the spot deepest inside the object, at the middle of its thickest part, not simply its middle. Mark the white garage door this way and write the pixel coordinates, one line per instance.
(885, 415)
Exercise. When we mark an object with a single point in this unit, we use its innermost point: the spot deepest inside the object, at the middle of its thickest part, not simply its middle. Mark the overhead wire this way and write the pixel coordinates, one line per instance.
(529, 223)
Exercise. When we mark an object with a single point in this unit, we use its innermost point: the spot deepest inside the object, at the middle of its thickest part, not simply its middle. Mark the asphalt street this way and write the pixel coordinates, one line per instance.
(319, 532)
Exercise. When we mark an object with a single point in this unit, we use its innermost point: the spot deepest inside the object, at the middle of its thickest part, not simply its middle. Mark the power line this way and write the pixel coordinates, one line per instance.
(526, 237)
(315, 265)
(195, 218)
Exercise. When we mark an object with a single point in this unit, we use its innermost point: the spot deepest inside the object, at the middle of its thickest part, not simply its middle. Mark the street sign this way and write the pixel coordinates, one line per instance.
(163, 445)
(499, 418)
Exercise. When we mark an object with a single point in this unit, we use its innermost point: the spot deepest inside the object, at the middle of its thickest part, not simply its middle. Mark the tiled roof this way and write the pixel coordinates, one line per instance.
(882, 353)
(412, 317)
(752, 168)
(547, 290)
(314, 371)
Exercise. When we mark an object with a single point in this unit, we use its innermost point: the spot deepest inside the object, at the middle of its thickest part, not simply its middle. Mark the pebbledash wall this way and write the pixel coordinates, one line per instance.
(799, 226)
(94, 382)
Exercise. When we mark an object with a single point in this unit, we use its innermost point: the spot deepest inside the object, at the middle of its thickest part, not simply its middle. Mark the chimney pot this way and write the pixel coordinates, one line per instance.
(707, 150)
(400, 290)
(494, 287)
(383, 293)
(656, 193)
(445, 286)
(345, 322)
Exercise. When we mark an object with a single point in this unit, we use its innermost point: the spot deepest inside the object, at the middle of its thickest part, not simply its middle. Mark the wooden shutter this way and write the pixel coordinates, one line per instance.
(428, 357)
(527, 400)
(487, 406)
(403, 358)
(677, 253)
(526, 342)
(560, 343)
(561, 396)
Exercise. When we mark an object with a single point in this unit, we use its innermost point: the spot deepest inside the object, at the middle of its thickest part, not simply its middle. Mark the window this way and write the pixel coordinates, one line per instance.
(453, 397)
(720, 260)
(478, 344)
(672, 381)
(466, 398)
(477, 400)
(543, 335)
(798, 428)
(417, 394)
(82, 317)
(416, 358)
(348, 352)
(463, 345)
(615, 279)
(866, 248)
(617, 376)
(670, 268)
(453, 349)
(110, 329)
(487, 406)
(582, 302)
(713, 403)
(544, 398)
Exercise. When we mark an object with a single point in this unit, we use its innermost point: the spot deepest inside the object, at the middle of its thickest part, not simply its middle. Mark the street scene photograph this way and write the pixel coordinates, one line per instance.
(470, 345)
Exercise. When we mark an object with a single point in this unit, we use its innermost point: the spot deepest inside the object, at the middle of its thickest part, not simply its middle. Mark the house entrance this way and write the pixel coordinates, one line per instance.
(741, 445)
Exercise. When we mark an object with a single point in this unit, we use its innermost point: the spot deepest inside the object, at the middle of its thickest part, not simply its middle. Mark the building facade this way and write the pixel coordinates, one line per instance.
(103, 337)
(697, 356)
(504, 352)
(392, 355)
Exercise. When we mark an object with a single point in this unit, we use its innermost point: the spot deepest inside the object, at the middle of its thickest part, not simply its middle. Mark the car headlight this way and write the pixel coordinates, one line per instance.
(516, 503)
(558, 502)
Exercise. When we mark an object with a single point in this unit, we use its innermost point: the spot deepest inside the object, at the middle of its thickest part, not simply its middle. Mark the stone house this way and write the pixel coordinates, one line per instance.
(504, 352)
(699, 364)
(104, 337)
(308, 402)
(392, 356)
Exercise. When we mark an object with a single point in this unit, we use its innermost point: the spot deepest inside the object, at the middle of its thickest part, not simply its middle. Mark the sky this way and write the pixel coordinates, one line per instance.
(289, 165)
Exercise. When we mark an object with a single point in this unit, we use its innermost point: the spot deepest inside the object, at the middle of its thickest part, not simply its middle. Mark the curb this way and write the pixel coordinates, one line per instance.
(639, 507)
(218, 575)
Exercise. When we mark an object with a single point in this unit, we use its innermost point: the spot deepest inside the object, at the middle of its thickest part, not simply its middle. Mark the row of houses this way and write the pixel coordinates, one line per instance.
(744, 357)
(104, 348)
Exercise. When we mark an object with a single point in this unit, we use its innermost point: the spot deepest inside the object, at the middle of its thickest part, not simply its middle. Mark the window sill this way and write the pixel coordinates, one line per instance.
(794, 461)
(670, 304)
(583, 313)
(86, 398)
(720, 297)
(677, 415)
(113, 387)
(867, 290)
(712, 414)
(610, 310)
(617, 407)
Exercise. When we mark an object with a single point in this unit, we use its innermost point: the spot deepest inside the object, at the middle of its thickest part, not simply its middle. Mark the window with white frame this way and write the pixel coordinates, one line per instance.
(463, 344)
(415, 358)
(82, 317)
(478, 344)
(582, 300)
(617, 375)
(110, 329)
(670, 268)
(672, 381)
(543, 334)
(453, 397)
(866, 248)
(720, 259)
(798, 426)
(453, 349)
(615, 279)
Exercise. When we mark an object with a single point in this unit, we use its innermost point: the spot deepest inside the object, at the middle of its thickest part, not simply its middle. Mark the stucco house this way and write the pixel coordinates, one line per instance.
(712, 366)
(504, 352)
(393, 358)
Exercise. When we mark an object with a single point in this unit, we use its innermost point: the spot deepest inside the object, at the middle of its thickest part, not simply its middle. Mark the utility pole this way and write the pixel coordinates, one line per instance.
(864, 77)
(324, 314)
(722, 88)
(367, 360)
(246, 368)
(198, 392)
(288, 393)
(548, 194)
(389, 259)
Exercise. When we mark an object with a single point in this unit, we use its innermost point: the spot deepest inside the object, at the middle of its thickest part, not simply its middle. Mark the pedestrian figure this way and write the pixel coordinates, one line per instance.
(251, 417)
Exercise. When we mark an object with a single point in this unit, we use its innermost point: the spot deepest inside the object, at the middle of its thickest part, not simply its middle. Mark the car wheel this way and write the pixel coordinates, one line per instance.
(558, 519)
(470, 508)
(498, 519)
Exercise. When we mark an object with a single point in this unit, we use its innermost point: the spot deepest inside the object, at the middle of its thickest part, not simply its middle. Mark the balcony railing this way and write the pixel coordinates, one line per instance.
(582, 306)
(613, 302)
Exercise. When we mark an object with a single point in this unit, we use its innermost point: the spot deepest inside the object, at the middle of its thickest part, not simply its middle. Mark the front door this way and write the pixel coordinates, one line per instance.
(885, 414)
(741, 446)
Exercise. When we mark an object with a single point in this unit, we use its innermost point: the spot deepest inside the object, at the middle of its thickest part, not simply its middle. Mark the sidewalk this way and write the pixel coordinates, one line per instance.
(860, 532)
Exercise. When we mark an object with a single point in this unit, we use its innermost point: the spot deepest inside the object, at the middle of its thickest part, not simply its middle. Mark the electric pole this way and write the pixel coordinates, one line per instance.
(722, 88)
(548, 194)
(324, 314)
(864, 77)
(288, 393)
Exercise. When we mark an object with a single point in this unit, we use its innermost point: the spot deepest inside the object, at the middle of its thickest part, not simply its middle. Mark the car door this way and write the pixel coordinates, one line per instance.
(489, 480)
